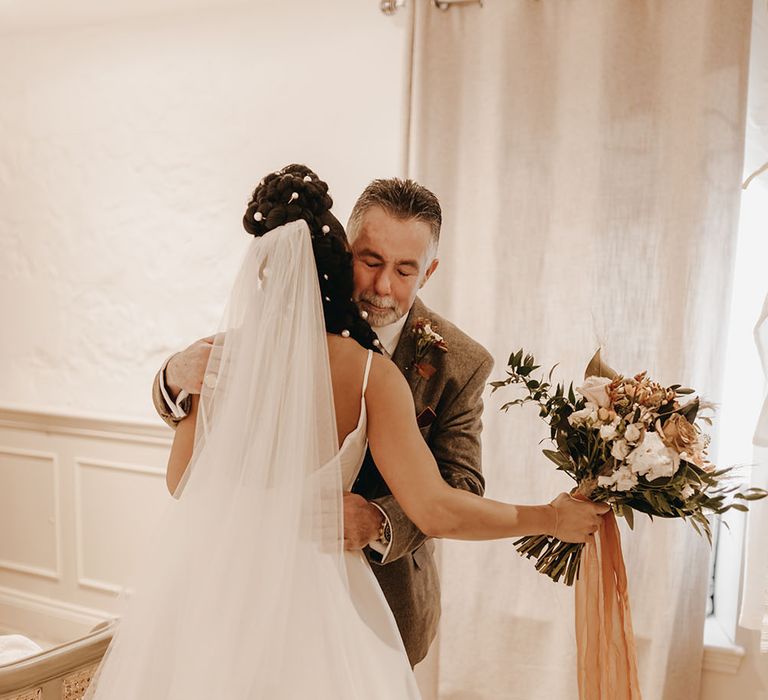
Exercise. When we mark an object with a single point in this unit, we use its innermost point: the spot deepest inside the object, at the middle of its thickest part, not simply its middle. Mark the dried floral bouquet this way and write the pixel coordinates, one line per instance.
(626, 441)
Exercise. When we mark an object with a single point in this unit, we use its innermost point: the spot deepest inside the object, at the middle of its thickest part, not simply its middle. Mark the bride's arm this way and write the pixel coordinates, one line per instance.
(181, 450)
(438, 510)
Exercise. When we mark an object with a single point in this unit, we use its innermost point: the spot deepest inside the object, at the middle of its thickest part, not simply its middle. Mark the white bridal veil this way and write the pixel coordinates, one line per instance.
(243, 592)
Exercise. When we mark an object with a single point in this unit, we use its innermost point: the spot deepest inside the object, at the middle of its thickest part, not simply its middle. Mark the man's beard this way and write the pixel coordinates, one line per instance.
(381, 310)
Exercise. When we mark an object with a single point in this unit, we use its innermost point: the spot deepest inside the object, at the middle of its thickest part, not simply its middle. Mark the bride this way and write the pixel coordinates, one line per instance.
(247, 591)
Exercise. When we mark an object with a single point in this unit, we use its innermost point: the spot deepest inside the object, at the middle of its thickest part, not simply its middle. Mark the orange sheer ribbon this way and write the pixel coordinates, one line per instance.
(607, 661)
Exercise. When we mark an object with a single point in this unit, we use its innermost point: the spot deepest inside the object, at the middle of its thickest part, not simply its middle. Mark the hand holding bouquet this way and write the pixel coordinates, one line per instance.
(626, 441)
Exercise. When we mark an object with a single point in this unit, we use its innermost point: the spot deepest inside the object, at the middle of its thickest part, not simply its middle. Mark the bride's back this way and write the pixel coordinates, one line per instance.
(347, 361)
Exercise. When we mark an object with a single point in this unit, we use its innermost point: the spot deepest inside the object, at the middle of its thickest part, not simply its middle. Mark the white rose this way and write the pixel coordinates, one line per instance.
(621, 480)
(625, 479)
(632, 433)
(653, 458)
(609, 430)
(586, 416)
(607, 481)
(595, 390)
(665, 468)
(620, 450)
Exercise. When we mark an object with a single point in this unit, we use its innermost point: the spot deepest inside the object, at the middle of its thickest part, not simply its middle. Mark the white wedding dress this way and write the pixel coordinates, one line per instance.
(246, 591)
(366, 594)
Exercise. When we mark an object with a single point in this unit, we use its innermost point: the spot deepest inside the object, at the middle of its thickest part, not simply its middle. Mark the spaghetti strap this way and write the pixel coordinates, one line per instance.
(367, 371)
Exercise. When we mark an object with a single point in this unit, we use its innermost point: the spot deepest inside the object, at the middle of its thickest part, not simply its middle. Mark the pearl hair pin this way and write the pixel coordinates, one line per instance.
(325, 277)
(258, 216)
(377, 342)
(295, 195)
(364, 315)
(326, 229)
(345, 333)
(327, 298)
(307, 178)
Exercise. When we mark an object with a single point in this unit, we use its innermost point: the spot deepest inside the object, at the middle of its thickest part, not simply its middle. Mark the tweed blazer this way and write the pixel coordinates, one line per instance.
(448, 407)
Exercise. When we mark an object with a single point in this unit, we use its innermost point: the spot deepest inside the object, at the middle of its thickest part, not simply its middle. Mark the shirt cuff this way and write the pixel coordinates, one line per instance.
(376, 545)
(173, 406)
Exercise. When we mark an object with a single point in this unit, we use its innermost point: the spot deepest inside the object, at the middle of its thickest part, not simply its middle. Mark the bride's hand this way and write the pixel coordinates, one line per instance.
(576, 520)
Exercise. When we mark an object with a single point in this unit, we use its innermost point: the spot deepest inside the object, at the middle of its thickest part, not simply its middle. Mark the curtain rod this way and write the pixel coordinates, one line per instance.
(389, 7)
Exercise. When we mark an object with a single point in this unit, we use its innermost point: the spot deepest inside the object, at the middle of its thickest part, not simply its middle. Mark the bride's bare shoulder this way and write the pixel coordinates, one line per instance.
(345, 349)
(347, 359)
(386, 381)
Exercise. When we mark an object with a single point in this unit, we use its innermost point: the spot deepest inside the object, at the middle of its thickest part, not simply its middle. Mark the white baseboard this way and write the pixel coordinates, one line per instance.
(40, 618)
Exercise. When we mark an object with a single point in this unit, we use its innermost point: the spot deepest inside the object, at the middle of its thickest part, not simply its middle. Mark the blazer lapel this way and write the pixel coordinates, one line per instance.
(405, 352)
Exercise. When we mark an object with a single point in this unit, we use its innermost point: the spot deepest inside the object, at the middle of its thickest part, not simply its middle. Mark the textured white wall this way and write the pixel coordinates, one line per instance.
(127, 152)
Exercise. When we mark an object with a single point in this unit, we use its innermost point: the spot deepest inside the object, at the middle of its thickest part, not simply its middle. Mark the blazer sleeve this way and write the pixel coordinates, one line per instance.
(455, 443)
(160, 405)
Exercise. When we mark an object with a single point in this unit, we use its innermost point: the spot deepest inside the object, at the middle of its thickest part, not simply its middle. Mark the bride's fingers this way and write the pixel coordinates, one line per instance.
(601, 508)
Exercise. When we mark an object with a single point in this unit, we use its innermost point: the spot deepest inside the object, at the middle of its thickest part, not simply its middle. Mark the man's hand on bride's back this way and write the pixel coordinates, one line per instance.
(576, 520)
(186, 369)
(362, 521)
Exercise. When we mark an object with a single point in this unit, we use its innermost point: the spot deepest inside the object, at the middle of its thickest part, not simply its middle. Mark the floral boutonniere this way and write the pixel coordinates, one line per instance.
(427, 339)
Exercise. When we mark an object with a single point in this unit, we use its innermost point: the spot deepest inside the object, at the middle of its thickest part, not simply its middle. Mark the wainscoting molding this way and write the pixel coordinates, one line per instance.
(80, 520)
(86, 425)
(50, 459)
(80, 504)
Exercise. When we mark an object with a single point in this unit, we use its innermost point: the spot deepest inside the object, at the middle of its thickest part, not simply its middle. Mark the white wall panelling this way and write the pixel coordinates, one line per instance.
(30, 523)
(103, 488)
(115, 508)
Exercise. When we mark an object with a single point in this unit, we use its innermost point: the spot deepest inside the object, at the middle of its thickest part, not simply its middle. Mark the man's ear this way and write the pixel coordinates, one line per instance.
(432, 267)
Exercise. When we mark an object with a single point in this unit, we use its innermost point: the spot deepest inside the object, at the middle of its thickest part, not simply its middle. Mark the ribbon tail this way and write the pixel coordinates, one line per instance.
(605, 640)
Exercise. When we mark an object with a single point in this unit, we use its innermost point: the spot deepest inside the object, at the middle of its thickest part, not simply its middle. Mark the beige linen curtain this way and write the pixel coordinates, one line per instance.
(754, 613)
(588, 156)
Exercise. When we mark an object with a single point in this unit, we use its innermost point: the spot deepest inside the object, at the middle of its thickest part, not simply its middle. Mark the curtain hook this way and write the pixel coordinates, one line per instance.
(389, 7)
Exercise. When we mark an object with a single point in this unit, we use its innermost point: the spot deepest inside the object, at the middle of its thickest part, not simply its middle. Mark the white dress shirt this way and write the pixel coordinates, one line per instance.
(390, 335)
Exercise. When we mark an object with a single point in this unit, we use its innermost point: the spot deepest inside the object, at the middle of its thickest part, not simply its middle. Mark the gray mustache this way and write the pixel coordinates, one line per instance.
(379, 302)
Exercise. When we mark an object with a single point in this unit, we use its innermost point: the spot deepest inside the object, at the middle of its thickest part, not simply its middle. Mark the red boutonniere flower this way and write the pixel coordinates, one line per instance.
(427, 339)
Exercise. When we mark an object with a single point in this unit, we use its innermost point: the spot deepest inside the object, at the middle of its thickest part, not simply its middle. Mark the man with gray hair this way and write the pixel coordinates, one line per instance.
(394, 230)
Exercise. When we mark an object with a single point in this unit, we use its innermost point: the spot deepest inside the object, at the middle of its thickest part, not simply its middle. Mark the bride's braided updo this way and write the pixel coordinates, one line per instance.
(294, 193)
